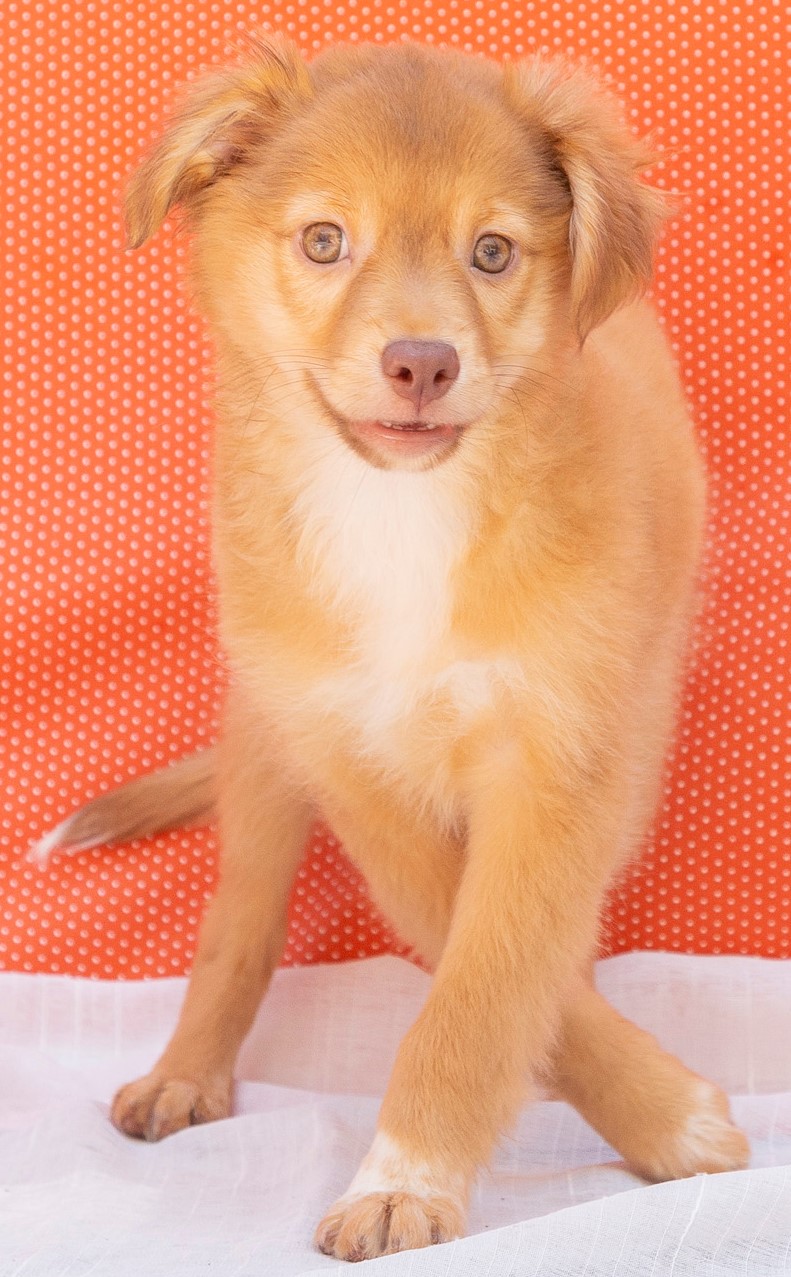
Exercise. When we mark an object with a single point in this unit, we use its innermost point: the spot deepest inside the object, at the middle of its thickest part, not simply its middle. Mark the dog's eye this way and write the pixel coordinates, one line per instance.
(324, 242)
(492, 253)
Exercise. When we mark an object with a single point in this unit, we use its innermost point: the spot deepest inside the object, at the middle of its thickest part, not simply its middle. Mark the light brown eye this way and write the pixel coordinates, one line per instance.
(492, 253)
(324, 242)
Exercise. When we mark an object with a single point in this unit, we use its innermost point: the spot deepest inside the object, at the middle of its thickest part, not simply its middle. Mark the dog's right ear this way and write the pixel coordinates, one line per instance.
(614, 219)
(225, 115)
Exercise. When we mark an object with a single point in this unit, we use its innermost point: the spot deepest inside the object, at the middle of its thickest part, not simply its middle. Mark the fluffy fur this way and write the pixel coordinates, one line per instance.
(462, 648)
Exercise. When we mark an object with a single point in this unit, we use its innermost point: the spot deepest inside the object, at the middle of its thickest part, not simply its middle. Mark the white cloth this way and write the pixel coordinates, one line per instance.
(240, 1198)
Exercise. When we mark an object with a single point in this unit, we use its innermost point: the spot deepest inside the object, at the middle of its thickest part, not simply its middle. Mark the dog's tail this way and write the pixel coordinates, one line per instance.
(181, 794)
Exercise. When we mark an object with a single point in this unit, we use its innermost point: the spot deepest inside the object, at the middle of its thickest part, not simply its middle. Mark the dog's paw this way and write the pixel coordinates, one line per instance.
(395, 1202)
(383, 1223)
(156, 1106)
(705, 1142)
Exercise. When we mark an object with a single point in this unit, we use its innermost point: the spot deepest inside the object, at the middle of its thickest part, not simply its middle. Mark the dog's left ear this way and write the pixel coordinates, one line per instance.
(615, 219)
(223, 118)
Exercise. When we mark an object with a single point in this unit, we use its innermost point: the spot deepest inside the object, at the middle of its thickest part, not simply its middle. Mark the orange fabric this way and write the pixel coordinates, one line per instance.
(109, 666)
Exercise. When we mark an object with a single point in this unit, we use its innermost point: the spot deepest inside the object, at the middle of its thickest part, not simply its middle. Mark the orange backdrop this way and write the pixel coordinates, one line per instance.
(108, 661)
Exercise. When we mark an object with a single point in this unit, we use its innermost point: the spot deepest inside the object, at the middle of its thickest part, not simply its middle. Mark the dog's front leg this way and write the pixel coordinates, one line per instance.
(264, 822)
(666, 1121)
(539, 852)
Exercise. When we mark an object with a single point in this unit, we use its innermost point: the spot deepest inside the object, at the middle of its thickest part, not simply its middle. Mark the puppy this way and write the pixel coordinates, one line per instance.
(457, 524)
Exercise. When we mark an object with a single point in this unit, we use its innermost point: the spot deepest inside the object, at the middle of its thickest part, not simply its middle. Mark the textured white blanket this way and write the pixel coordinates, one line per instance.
(240, 1198)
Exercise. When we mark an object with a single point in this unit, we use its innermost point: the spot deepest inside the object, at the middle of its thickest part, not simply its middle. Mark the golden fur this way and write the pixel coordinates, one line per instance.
(462, 649)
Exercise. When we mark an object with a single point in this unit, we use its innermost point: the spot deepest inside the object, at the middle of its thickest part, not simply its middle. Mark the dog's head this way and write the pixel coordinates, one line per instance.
(401, 235)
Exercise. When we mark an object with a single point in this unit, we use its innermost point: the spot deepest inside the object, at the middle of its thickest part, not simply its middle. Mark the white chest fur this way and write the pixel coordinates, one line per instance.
(383, 545)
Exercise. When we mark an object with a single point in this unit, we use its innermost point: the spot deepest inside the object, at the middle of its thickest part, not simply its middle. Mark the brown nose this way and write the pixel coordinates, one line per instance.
(420, 370)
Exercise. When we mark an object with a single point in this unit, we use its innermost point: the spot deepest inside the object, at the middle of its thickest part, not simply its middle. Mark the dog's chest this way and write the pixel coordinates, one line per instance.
(386, 546)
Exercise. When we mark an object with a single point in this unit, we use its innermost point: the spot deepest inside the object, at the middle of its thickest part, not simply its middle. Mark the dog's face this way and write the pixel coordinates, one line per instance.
(401, 235)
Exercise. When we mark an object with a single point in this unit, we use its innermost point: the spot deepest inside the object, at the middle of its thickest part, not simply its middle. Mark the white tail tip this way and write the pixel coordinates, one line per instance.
(56, 840)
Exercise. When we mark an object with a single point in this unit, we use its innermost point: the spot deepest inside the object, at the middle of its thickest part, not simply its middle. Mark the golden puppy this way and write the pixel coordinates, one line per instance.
(457, 523)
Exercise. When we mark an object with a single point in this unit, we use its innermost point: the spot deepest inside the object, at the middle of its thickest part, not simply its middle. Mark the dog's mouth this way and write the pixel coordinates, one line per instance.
(389, 442)
(407, 438)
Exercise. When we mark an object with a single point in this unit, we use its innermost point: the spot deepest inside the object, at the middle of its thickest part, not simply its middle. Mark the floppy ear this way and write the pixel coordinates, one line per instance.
(224, 116)
(615, 220)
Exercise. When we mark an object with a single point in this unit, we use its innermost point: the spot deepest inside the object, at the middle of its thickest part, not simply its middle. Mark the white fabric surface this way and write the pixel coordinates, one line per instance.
(240, 1198)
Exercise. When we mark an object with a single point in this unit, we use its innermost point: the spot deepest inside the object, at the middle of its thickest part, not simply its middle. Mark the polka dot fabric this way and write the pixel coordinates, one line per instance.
(109, 664)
